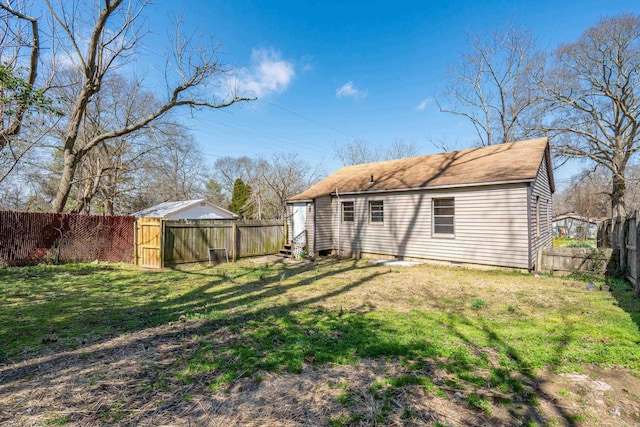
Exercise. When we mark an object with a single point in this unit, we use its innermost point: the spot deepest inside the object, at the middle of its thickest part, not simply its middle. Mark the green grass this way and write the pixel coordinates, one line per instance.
(487, 329)
(565, 242)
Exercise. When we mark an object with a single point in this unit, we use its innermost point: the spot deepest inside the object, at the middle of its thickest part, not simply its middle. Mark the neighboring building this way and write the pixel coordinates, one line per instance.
(186, 209)
(575, 226)
(489, 205)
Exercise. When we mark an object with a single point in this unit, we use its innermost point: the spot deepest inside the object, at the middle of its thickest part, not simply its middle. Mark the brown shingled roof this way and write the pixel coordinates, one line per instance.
(515, 161)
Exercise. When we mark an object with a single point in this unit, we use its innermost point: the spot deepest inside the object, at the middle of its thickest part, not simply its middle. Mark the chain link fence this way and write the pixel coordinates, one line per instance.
(28, 238)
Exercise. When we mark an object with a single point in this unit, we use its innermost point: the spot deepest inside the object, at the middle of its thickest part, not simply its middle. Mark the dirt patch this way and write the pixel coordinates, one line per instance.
(128, 380)
(599, 396)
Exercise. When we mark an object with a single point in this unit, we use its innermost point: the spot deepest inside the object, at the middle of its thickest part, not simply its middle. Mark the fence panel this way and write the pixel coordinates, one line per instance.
(28, 238)
(257, 238)
(569, 260)
(623, 236)
(189, 240)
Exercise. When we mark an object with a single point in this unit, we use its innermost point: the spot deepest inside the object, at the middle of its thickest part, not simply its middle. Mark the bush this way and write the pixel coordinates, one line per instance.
(579, 244)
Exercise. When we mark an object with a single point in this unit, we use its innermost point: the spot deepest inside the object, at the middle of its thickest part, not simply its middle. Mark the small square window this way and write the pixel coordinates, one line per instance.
(347, 212)
(444, 211)
(376, 212)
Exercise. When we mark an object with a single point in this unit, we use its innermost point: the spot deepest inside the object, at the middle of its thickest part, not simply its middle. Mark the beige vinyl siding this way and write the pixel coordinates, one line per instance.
(490, 226)
(540, 189)
(324, 224)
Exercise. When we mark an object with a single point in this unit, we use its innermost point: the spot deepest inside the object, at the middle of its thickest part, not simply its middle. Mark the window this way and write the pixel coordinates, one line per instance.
(537, 216)
(347, 211)
(443, 216)
(376, 212)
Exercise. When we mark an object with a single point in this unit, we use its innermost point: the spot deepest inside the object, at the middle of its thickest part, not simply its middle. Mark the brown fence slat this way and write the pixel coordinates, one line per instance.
(28, 238)
(622, 234)
(189, 240)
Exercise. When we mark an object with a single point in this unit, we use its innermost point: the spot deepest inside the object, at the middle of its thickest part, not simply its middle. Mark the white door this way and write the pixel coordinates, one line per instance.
(299, 218)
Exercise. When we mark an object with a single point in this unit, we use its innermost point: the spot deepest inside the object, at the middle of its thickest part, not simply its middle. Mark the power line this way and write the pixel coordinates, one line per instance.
(311, 120)
(245, 131)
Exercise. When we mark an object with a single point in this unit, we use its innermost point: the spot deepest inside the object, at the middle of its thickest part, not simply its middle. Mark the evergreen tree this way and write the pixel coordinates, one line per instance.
(240, 199)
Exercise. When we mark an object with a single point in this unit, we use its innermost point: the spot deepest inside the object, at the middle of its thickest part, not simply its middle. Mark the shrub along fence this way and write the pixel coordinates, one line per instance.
(28, 238)
(622, 235)
(163, 242)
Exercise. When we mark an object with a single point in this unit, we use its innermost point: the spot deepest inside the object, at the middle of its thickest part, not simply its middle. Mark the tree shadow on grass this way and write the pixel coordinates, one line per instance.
(228, 329)
(237, 336)
(56, 316)
(623, 292)
(514, 375)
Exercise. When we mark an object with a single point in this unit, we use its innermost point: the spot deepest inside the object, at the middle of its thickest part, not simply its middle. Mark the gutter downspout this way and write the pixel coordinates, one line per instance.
(338, 215)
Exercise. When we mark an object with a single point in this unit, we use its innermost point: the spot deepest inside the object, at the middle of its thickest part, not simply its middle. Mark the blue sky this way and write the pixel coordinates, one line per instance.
(333, 71)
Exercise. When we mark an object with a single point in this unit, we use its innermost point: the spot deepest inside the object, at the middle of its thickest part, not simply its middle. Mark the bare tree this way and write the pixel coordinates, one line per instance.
(356, 152)
(285, 176)
(401, 148)
(493, 88)
(586, 195)
(19, 32)
(114, 32)
(272, 181)
(593, 96)
(175, 170)
(23, 99)
(359, 151)
(228, 169)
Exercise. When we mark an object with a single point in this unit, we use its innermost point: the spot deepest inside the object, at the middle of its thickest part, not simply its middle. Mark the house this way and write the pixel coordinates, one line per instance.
(186, 209)
(575, 226)
(489, 205)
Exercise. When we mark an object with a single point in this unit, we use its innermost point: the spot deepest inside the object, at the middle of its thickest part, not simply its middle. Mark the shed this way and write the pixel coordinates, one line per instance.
(489, 205)
(186, 209)
(575, 226)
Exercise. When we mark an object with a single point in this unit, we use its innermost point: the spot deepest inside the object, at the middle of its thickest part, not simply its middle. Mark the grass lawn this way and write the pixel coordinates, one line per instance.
(338, 342)
(566, 242)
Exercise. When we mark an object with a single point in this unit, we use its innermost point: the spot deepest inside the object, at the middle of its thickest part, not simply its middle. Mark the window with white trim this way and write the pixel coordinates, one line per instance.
(444, 211)
(376, 212)
(347, 212)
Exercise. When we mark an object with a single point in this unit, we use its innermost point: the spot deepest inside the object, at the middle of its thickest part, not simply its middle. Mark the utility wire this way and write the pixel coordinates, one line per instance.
(311, 120)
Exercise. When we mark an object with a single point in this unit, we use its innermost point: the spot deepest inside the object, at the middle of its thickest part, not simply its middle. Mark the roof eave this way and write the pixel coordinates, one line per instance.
(547, 155)
(436, 187)
(306, 200)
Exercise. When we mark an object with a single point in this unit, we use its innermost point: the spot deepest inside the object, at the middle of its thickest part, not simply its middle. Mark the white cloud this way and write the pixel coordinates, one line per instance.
(348, 90)
(269, 73)
(423, 104)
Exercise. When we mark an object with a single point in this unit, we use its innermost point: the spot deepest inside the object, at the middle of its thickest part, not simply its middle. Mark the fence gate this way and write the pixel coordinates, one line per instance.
(149, 242)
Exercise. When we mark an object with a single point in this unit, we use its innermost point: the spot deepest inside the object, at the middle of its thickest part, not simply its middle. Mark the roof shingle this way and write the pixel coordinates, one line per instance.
(515, 161)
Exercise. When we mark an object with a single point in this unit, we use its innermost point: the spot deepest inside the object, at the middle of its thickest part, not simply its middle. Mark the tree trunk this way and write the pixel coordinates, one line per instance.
(64, 187)
(618, 207)
(108, 206)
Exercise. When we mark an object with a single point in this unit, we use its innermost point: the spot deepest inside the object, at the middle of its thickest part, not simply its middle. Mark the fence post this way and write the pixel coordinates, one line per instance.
(234, 240)
(135, 242)
(162, 241)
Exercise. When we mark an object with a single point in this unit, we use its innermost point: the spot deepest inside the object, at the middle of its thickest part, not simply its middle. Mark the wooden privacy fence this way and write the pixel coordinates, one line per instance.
(622, 235)
(569, 260)
(163, 242)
